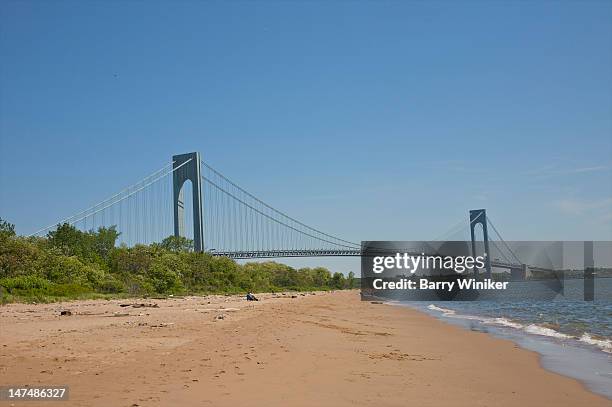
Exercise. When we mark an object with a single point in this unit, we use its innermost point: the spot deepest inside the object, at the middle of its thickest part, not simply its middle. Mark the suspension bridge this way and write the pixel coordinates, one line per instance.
(187, 197)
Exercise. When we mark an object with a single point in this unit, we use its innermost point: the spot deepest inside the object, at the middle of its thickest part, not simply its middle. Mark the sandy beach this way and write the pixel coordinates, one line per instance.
(323, 349)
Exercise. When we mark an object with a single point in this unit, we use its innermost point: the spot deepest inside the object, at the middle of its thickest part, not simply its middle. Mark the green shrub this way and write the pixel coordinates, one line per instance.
(109, 285)
(64, 270)
(139, 285)
(20, 256)
(67, 290)
(25, 283)
(69, 263)
(165, 274)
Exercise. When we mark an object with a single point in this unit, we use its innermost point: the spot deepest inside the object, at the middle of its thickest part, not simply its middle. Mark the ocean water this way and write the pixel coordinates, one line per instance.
(573, 337)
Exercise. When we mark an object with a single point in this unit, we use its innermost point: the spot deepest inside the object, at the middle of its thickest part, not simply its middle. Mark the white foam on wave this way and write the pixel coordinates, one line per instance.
(603, 344)
(507, 322)
(544, 331)
(442, 310)
(534, 329)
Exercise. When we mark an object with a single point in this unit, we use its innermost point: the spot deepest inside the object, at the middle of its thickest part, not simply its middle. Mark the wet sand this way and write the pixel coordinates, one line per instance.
(328, 349)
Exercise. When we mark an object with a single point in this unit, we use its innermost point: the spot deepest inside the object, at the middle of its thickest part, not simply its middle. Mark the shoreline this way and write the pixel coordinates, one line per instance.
(294, 349)
(558, 353)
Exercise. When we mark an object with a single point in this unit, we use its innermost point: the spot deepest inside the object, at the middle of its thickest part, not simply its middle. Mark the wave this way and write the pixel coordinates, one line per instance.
(442, 310)
(507, 322)
(603, 344)
(534, 329)
(544, 331)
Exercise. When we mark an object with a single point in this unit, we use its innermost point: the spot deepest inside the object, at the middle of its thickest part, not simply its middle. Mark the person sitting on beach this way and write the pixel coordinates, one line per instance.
(251, 297)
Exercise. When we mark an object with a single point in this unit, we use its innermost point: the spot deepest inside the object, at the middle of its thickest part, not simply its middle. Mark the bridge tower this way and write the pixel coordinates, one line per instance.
(518, 273)
(589, 272)
(479, 216)
(189, 170)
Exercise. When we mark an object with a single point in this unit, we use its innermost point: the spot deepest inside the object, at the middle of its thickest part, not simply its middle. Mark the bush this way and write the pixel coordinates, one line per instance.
(139, 285)
(69, 263)
(165, 274)
(337, 281)
(70, 270)
(25, 283)
(66, 290)
(19, 256)
(109, 285)
(134, 260)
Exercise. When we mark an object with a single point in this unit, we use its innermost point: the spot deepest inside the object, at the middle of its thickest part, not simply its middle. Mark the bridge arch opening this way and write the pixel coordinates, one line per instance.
(479, 239)
(187, 198)
(185, 204)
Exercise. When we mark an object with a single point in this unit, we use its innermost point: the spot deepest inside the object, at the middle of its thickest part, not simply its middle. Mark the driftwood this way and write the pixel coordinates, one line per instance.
(141, 305)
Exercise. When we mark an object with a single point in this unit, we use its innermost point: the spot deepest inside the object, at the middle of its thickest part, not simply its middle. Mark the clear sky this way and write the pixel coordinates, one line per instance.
(370, 120)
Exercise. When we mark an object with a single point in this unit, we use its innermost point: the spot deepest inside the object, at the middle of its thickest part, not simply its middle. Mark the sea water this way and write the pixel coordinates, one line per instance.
(573, 337)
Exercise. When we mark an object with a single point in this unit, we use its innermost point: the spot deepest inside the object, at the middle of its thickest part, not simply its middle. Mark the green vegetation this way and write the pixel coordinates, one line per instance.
(71, 264)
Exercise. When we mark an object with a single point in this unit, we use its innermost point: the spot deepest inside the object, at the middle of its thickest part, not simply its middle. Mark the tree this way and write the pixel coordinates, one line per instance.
(351, 280)
(104, 240)
(337, 281)
(69, 262)
(6, 229)
(88, 246)
(177, 244)
(68, 239)
(320, 276)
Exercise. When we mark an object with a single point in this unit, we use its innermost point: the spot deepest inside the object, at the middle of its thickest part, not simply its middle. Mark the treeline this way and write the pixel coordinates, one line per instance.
(69, 263)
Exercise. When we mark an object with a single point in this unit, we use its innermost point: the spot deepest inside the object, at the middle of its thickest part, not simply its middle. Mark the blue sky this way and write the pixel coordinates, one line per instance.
(373, 121)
